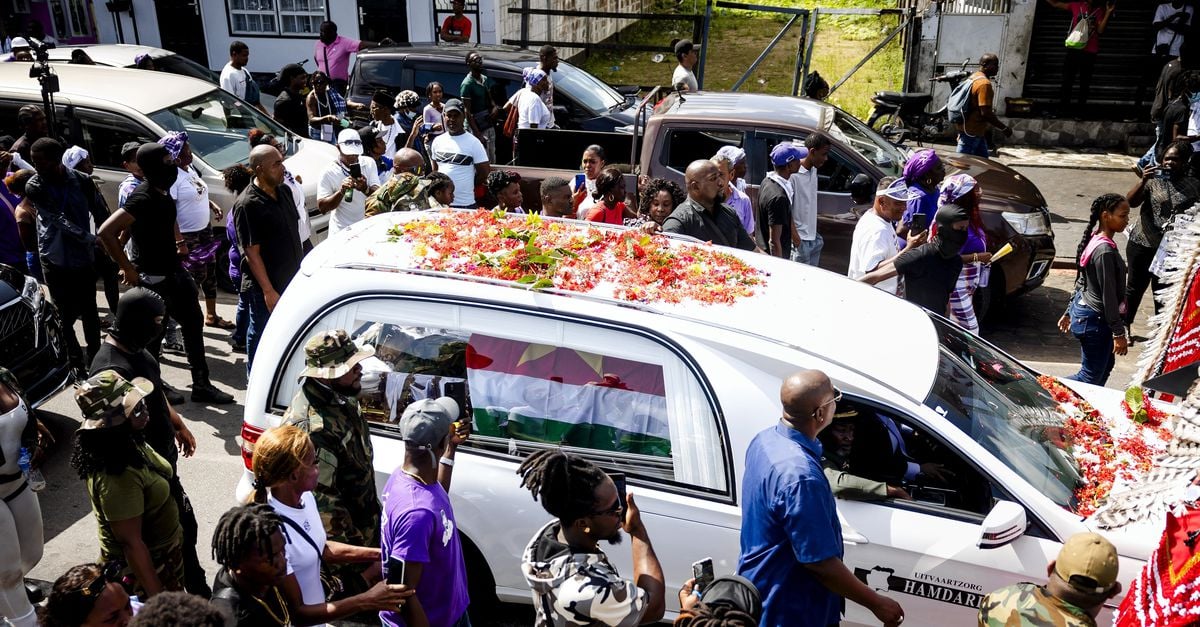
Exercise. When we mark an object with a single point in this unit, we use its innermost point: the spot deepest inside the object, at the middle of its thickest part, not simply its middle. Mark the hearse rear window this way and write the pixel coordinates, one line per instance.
(529, 382)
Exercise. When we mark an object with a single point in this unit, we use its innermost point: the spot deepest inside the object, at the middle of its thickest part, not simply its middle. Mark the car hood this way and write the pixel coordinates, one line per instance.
(1001, 184)
(12, 283)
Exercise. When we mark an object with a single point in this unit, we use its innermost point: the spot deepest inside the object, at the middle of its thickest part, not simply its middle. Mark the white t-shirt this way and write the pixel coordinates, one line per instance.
(190, 194)
(233, 80)
(347, 213)
(873, 243)
(456, 157)
(388, 133)
(685, 76)
(298, 195)
(531, 110)
(804, 203)
(304, 561)
(1166, 36)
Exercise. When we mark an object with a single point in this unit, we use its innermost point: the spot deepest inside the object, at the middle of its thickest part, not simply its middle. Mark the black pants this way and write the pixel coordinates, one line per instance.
(74, 293)
(107, 269)
(179, 292)
(1139, 258)
(195, 580)
(1082, 64)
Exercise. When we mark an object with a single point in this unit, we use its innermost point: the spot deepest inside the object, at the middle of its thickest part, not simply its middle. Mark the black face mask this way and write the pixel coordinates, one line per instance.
(949, 241)
(152, 159)
(137, 320)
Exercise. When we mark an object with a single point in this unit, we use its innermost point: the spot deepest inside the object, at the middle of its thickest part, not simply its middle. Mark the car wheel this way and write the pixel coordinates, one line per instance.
(481, 585)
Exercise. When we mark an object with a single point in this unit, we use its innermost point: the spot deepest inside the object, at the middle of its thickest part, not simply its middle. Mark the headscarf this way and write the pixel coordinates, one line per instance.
(949, 241)
(73, 156)
(954, 187)
(733, 153)
(921, 162)
(174, 141)
(898, 190)
(407, 98)
(533, 75)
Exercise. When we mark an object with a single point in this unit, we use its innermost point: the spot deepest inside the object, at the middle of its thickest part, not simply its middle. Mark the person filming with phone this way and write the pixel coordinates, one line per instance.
(345, 185)
(564, 564)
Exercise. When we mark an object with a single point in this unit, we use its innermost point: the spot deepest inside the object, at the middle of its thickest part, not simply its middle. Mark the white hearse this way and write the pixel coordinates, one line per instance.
(672, 394)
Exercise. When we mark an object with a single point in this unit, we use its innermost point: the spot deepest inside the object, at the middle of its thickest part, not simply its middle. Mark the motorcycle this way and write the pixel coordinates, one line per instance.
(904, 113)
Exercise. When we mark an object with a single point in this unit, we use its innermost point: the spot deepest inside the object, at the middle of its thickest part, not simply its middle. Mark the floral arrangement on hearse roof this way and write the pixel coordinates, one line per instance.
(548, 254)
(1112, 452)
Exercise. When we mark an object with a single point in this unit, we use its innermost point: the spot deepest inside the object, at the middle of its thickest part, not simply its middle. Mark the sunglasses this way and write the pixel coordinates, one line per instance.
(615, 510)
(837, 398)
(109, 573)
(351, 142)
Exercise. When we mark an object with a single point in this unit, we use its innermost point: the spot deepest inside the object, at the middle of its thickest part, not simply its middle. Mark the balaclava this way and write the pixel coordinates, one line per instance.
(154, 161)
(135, 323)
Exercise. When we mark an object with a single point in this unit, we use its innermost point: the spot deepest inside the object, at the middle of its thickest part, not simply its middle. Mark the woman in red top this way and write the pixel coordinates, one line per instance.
(610, 198)
(1082, 61)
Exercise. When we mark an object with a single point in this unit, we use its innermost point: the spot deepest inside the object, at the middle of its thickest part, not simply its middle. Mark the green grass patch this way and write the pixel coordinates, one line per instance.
(738, 37)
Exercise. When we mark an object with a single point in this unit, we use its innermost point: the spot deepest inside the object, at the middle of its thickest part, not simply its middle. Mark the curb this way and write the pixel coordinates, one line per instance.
(1062, 264)
(1090, 168)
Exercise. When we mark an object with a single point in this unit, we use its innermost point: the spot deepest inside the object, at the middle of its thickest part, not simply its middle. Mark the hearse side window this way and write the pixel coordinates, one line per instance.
(104, 134)
(687, 145)
(618, 398)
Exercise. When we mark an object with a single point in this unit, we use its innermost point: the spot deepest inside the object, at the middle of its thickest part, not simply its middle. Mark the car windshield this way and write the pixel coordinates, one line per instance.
(1001, 405)
(866, 142)
(585, 89)
(177, 64)
(217, 124)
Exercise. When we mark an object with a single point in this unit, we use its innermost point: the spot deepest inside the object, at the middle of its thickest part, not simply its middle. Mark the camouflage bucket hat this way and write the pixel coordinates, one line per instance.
(106, 398)
(332, 354)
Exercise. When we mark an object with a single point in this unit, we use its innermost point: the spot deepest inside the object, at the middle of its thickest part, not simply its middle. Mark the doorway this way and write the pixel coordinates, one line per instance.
(379, 19)
(181, 28)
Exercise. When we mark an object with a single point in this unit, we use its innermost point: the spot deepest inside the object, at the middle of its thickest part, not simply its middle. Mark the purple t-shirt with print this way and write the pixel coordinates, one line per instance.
(418, 526)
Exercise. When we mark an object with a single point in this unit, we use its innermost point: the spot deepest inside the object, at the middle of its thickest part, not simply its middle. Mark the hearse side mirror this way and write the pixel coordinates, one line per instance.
(1005, 523)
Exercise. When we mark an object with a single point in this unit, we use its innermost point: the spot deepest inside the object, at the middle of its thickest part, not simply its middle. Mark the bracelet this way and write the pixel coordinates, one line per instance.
(446, 461)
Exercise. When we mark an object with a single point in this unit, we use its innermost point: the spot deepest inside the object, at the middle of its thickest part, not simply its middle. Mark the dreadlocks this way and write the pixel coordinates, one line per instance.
(565, 484)
(243, 529)
(720, 615)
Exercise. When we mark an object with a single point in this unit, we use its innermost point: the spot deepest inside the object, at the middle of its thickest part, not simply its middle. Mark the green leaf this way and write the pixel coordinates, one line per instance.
(527, 279)
(545, 260)
(542, 284)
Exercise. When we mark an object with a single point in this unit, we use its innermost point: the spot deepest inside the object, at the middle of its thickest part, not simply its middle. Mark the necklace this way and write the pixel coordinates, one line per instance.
(287, 618)
(415, 476)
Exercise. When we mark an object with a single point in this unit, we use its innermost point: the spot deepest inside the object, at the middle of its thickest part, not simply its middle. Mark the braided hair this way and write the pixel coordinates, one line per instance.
(565, 484)
(1106, 202)
(243, 529)
(721, 615)
(497, 180)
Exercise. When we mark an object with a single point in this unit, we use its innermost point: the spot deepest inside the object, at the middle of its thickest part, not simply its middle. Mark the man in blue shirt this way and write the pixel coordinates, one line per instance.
(791, 537)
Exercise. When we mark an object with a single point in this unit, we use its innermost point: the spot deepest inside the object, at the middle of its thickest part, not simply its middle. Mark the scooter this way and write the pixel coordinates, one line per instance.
(904, 112)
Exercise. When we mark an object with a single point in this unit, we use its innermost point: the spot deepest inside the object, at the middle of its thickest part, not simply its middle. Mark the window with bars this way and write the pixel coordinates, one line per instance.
(276, 17)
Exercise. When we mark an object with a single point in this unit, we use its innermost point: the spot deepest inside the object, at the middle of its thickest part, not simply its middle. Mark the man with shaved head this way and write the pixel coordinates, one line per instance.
(704, 215)
(791, 537)
(980, 115)
(264, 218)
(402, 189)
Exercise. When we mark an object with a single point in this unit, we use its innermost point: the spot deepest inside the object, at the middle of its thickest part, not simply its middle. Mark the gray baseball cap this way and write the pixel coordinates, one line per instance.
(426, 422)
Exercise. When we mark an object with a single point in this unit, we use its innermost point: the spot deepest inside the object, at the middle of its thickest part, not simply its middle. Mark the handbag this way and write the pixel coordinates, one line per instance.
(1077, 38)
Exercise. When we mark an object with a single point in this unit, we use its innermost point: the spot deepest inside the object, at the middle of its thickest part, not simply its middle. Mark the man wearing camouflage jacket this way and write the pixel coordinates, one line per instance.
(326, 406)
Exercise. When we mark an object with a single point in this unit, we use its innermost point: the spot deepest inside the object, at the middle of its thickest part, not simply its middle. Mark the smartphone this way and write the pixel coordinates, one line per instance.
(918, 223)
(702, 571)
(618, 479)
(426, 127)
(457, 390)
(355, 170)
(1162, 173)
(395, 572)
(580, 179)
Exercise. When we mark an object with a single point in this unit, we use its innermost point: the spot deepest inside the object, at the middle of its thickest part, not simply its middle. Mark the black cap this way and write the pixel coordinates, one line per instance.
(683, 46)
(129, 150)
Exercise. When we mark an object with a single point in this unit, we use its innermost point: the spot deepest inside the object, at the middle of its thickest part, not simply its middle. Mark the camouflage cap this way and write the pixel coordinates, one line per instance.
(106, 398)
(1091, 557)
(332, 354)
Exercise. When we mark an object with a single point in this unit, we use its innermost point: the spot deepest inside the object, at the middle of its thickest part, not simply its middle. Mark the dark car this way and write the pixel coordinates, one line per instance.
(581, 101)
(31, 337)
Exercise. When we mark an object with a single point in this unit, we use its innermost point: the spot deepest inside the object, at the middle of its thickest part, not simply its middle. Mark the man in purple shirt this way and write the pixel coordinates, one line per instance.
(420, 544)
(332, 54)
(734, 197)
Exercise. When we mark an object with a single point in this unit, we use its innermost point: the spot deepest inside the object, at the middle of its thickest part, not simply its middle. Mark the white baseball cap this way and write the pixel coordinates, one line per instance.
(349, 142)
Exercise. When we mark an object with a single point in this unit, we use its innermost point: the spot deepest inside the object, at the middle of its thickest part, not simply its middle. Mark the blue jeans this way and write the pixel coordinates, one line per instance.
(1095, 344)
(257, 306)
(809, 251)
(970, 145)
(241, 320)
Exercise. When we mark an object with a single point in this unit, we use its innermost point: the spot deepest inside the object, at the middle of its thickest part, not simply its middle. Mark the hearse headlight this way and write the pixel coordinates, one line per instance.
(1032, 223)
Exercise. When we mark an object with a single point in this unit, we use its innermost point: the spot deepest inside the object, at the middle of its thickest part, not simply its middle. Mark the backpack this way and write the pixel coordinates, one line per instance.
(959, 102)
(1077, 39)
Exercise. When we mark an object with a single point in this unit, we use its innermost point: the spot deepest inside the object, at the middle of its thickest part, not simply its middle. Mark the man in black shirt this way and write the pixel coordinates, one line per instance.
(32, 120)
(149, 216)
(264, 218)
(931, 269)
(775, 200)
(139, 319)
(290, 110)
(703, 215)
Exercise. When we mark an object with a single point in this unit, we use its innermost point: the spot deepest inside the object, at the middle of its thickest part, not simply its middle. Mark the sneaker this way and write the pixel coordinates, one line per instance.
(174, 346)
(174, 397)
(237, 347)
(205, 392)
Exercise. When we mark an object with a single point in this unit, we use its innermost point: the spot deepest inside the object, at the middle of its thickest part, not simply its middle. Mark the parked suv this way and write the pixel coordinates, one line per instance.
(32, 346)
(581, 101)
(671, 394)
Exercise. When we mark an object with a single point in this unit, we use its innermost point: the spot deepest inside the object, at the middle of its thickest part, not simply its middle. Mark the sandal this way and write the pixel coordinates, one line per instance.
(219, 323)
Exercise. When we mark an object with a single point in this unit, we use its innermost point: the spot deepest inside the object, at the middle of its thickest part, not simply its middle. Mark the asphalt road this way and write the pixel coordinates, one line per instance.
(1025, 328)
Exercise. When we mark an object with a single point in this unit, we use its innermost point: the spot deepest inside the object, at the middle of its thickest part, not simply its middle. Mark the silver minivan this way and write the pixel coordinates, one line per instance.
(102, 108)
